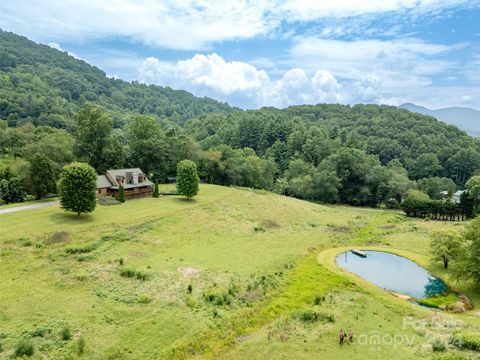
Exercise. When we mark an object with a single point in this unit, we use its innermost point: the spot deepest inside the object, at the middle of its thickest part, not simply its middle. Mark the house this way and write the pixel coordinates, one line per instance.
(134, 181)
(457, 197)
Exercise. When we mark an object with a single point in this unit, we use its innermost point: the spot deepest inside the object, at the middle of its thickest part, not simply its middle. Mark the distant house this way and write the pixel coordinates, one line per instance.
(457, 197)
(134, 181)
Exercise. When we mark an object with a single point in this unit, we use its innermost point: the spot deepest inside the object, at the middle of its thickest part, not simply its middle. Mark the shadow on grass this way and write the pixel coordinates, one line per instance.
(63, 217)
(184, 200)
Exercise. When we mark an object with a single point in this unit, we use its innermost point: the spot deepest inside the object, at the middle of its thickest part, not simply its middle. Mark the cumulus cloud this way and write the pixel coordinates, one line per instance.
(244, 85)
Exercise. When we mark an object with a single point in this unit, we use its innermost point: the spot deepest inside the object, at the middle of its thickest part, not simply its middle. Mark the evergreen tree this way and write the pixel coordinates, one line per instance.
(78, 188)
(187, 178)
(121, 194)
(42, 177)
(156, 192)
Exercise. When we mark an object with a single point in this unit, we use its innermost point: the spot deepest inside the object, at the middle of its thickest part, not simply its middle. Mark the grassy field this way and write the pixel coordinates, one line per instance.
(233, 274)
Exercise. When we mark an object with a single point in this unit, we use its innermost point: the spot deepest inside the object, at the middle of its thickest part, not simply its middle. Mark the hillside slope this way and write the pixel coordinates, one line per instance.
(47, 87)
(464, 118)
(224, 275)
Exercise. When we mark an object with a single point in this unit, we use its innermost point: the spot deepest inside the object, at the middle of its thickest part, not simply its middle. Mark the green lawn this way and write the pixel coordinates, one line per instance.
(226, 275)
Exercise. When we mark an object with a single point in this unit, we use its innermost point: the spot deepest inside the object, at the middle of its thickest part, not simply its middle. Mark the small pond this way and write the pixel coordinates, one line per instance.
(392, 272)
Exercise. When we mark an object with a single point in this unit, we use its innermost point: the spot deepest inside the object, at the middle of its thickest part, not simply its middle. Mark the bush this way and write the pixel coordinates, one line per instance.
(81, 345)
(438, 345)
(308, 316)
(121, 194)
(156, 191)
(12, 190)
(23, 348)
(130, 273)
(65, 334)
(82, 250)
(392, 204)
(466, 340)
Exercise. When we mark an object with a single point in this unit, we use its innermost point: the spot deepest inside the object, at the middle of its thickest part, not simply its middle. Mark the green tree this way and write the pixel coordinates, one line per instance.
(445, 246)
(435, 185)
(92, 134)
(473, 187)
(147, 145)
(12, 190)
(78, 187)
(468, 262)
(121, 194)
(42, 176)
(156, 191)
(187, 178)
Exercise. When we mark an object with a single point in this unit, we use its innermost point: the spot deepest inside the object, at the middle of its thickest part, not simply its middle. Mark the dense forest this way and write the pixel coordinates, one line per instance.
(60, 109)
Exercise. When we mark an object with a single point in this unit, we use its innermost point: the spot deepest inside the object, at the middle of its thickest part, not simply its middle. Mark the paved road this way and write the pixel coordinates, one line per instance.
(28, 207)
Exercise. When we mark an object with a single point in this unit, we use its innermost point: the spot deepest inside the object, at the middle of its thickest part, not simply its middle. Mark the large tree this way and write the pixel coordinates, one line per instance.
(78, 187)
(187, 179)
(42, 176)
(92, 134)
(147, 145)
(445, 246)
(468, 264)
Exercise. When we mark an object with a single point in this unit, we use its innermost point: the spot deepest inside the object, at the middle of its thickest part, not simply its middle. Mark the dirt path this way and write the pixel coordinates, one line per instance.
(28, 207)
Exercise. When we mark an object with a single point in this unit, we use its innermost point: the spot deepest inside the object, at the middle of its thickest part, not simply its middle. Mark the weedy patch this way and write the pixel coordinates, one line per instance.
(59, 237)
(270, 224)
(310, 316)
(137, 274)
(83, 249)
(120, 236)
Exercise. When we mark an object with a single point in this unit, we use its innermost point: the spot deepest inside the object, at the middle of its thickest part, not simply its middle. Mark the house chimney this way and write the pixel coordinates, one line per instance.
(135, 176)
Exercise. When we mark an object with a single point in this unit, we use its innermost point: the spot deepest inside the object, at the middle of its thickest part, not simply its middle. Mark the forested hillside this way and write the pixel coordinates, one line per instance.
(47, 87)
(64, 109)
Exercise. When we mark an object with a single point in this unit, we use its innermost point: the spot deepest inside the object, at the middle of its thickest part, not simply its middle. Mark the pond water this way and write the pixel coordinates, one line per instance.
(393, 272)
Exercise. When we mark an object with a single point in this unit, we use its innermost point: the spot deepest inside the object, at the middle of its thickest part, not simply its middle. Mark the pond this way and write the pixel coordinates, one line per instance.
(393, 273)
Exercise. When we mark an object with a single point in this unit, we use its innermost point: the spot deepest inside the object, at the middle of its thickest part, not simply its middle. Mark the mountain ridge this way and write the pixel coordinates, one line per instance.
(465, 118)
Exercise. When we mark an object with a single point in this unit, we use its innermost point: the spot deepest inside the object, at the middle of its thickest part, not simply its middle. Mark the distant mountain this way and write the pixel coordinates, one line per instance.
(464, 118)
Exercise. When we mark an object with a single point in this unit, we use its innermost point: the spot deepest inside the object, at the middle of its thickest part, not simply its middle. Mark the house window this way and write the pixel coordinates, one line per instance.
(99, 191)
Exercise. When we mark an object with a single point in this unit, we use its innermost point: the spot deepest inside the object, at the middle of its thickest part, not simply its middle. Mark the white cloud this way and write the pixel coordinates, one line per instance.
(307, 10)
(187, 24)
(175, 24)
(57, 46)
(244, 85)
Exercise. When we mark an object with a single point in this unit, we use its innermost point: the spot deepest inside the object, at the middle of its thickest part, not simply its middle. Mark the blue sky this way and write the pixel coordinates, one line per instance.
(272, 52)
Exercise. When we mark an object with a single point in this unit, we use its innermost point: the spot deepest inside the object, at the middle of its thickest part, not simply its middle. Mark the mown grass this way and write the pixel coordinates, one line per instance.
(216, 287)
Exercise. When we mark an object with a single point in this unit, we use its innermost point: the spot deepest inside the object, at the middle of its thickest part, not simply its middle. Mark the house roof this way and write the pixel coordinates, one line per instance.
(109, 180)
(102, 182)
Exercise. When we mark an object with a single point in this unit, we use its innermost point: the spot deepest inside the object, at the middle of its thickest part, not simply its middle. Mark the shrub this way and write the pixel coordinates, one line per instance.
(23, 348)
(438, 345)
(156, 191)
(66, 334)
(81, 345)
(144, 299)
(189, 288)
(466, 340)
(318, 300)
(82, 250)
(130, 273)
(309, 316)
(121, 194)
